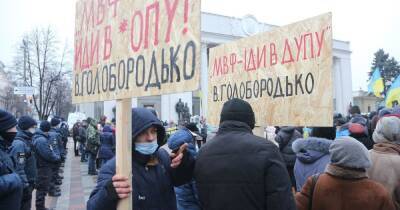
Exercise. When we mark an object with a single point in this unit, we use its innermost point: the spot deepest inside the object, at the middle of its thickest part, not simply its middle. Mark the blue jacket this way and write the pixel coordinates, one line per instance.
(152, 184)
(24, 156)
(55, 139)
(107, 141)
(186, 195)
(312, 158)
(44, 150)
(10, 182)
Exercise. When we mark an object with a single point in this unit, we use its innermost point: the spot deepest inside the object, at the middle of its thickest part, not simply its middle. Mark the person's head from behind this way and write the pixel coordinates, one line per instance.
(55, 122)
(354, 110)
(45, 126)
(347, 152)
(84, 123)
(238, 110)
(147, 131)
(324, 132)
(27, 124)
(192, 127)
(182, 136)
(387, 130)
(8, 129)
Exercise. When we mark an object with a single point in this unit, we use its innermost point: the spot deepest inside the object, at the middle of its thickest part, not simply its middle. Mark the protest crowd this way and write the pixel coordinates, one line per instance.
(352, 165)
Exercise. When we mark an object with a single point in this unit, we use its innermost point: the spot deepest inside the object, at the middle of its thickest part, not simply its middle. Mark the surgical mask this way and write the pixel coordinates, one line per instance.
(146, 148)
(32, 130)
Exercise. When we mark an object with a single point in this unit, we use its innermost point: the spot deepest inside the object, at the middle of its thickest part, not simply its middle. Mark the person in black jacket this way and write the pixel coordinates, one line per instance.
(46, 158)
(107, 147)
(11, 185)
(76, 137)
(238, 170)
(285, 138)
(23, 152)
(154, 171)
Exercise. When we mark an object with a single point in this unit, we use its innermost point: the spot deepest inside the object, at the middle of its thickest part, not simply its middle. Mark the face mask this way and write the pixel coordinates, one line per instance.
(9, 137)
(32, 130)
(146, 148)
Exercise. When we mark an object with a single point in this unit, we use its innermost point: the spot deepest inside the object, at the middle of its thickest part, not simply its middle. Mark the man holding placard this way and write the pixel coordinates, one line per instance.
(154, 171)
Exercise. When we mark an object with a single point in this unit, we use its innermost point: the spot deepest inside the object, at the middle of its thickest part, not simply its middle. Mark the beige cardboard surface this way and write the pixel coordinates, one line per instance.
(131, 48)
(285, 74)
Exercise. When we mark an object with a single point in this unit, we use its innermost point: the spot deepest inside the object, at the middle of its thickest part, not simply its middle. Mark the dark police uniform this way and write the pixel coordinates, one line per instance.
(46, 158)
(23, 154)
(10, 182)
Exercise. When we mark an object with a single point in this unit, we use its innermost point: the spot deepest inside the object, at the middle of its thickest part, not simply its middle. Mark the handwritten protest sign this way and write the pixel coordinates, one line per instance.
(131, 48)
(285, 74)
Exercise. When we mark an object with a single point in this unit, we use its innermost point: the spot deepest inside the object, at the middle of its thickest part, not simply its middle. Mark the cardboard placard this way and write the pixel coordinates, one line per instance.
(285, 74)
(132, 48)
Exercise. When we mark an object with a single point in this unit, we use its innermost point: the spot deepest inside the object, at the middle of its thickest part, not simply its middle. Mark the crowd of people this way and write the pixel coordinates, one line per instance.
(32, 157)
(352, 165)
(94, 142)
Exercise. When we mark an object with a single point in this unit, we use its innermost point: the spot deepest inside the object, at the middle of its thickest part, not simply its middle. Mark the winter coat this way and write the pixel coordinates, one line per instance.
(344, 189)
(362, 135)
(312, 158)
(11, 185)
(385, 168)
(186, 195)
(23, 153)
(152, 179)
(82, 135)
(55, 139)
(107, 141)
(285, 138)
(92, 137)
(44, 150)
(238, 170)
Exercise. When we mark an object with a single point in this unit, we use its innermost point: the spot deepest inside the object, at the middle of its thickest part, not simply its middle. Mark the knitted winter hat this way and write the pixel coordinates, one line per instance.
(26, 122)
(387, 130)
(7, 120)
(347, 152)
(239, 110)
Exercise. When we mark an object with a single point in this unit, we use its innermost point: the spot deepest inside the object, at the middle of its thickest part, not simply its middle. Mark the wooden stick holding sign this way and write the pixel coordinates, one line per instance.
(124, 146)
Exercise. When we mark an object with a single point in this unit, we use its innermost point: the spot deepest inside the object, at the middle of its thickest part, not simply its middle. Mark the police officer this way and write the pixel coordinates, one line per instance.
(22, 152)
(45, 158)
(55, 139)
(10, 182)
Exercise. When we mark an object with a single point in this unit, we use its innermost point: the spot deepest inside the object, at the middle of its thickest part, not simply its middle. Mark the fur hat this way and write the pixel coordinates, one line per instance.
(312, 143)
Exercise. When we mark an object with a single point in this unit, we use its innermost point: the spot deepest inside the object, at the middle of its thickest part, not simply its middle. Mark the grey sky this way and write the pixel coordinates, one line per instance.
(368, 25)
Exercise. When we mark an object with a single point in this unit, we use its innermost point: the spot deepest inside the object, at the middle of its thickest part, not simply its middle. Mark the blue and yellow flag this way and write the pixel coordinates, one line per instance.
(393, 93)
(376, 83)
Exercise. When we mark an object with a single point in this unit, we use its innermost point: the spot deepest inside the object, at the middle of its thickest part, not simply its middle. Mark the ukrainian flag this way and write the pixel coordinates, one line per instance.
(376, 83)
(393, 93)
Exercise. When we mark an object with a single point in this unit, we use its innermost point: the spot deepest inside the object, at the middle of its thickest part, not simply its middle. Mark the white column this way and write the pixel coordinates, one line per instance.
(204, 80)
